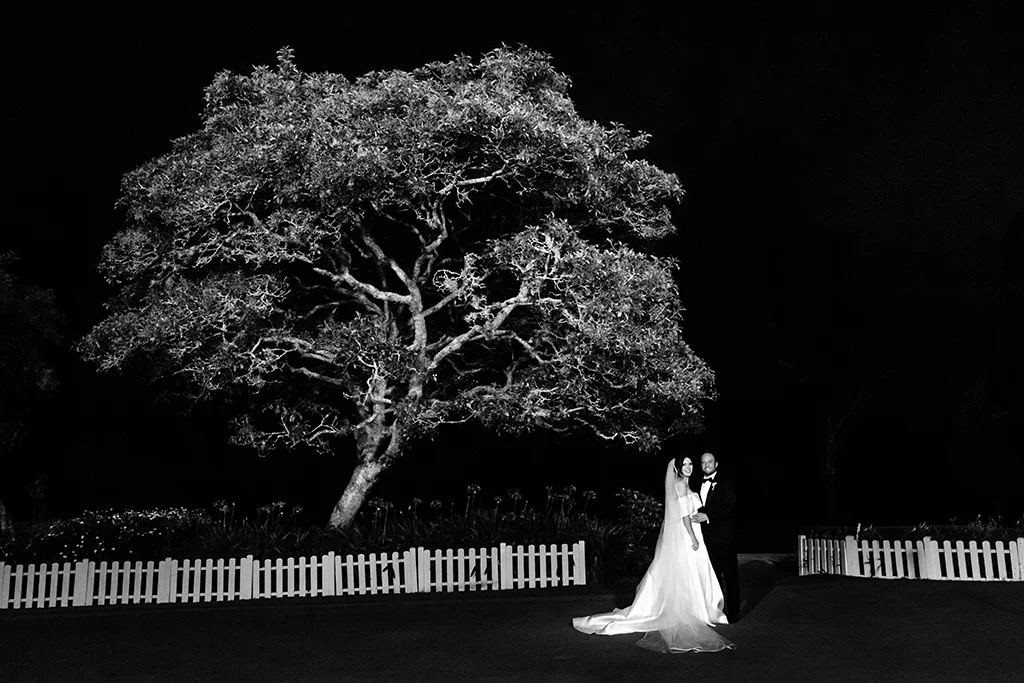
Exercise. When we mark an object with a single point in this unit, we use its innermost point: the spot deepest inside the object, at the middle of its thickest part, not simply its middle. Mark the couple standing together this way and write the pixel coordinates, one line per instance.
(680, 597)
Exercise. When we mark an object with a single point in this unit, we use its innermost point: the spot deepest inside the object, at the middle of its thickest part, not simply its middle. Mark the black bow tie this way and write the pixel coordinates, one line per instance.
(710, 481)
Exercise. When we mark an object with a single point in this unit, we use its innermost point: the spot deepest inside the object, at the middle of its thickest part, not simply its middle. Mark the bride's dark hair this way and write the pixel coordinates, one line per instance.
(679, 463)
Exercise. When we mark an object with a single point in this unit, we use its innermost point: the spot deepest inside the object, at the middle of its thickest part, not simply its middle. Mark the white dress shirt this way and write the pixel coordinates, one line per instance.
(705, 488)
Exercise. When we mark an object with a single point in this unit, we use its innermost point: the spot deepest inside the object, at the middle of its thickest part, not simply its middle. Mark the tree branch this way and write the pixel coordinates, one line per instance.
(348, 279)
(473, 181)
(506, 307)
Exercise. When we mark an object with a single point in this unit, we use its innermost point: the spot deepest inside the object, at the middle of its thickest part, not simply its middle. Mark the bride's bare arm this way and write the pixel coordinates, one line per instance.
(689, 529)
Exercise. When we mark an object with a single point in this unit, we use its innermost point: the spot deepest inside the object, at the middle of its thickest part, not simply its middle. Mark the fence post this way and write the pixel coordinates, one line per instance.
(579, 553)
(247, 578)
(161, 581)
(83, 577)
(505, 572)
(327, 562)
(851, 559)
(412, 579)
(1020, 556)
(423, 570)
(801, 555)
(167, 578)
(931, 555)
(921, 549)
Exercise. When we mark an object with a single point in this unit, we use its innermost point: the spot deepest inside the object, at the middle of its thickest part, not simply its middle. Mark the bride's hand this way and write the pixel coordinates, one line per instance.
(695, 545)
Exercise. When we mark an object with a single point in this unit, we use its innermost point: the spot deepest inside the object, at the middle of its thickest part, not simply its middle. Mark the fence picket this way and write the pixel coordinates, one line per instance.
(961, 561)
(886, 563)
(463, 564)
(386, 576)
(449, 560)
(179, 581)
(544, 557)
(200, 582)
(16, 596)
(224, 575)
(48, 580)
(934, 558)
(52, 593)
(350, 567)
(5, 585)
(113, 577)
(137, 580)
(579, 575)
(562, 574)
(973, 561)
(850, 567)
(188, 581)
(986, 557)
(371, 569)
(117, 579)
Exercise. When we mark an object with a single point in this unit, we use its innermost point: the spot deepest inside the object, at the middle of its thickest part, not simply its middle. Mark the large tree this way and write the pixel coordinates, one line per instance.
(369, 260)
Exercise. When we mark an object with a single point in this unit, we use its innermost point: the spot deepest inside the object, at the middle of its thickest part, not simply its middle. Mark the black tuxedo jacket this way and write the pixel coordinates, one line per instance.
(720, 507)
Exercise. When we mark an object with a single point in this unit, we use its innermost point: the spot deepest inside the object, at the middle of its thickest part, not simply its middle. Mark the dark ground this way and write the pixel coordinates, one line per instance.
(793, 629)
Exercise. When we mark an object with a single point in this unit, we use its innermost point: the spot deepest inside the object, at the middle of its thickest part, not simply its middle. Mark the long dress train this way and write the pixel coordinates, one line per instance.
(679, 597)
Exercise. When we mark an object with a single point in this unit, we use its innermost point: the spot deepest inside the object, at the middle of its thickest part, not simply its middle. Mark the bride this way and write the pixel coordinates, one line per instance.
(679, 596)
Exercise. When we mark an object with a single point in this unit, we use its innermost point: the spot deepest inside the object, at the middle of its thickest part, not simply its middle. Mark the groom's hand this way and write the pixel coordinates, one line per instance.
(698, 517)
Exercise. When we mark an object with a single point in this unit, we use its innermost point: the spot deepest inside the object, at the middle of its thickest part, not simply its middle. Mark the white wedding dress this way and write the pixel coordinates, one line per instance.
(679, 597)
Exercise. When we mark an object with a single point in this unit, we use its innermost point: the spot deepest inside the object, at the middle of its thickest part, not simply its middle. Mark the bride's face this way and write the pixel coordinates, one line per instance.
(687, 467)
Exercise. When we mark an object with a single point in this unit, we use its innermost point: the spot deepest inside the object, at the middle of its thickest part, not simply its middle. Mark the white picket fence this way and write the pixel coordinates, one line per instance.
(416, 570)
(923, 559)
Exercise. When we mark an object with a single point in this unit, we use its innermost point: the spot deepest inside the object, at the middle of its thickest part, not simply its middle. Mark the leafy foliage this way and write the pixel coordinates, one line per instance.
(104, 535)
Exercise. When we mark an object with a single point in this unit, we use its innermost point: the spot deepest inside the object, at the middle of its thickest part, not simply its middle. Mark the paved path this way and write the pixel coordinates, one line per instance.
(793, 629)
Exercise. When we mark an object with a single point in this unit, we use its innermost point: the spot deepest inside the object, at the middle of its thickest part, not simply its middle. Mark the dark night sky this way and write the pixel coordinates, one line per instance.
(854, 206)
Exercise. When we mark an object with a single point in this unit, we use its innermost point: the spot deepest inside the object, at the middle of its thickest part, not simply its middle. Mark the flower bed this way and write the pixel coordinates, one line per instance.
(616, 549)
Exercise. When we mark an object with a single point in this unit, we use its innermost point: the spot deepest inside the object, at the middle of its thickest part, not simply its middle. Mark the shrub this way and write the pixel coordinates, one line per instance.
(104, 536)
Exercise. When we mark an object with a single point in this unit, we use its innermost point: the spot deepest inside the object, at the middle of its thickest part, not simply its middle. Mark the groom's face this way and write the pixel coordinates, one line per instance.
(708, 464)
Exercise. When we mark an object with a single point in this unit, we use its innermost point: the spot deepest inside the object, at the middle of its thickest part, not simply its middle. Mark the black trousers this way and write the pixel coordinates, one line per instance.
(726, 565)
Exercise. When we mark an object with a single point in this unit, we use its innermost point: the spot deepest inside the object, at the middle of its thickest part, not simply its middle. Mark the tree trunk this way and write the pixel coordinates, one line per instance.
(364, 476)
(372, 461)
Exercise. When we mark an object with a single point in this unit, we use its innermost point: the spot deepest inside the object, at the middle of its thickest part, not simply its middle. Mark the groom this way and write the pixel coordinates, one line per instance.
(718, 524)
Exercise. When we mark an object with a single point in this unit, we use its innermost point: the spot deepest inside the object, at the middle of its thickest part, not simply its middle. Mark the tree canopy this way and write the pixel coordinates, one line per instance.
(371, 259)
